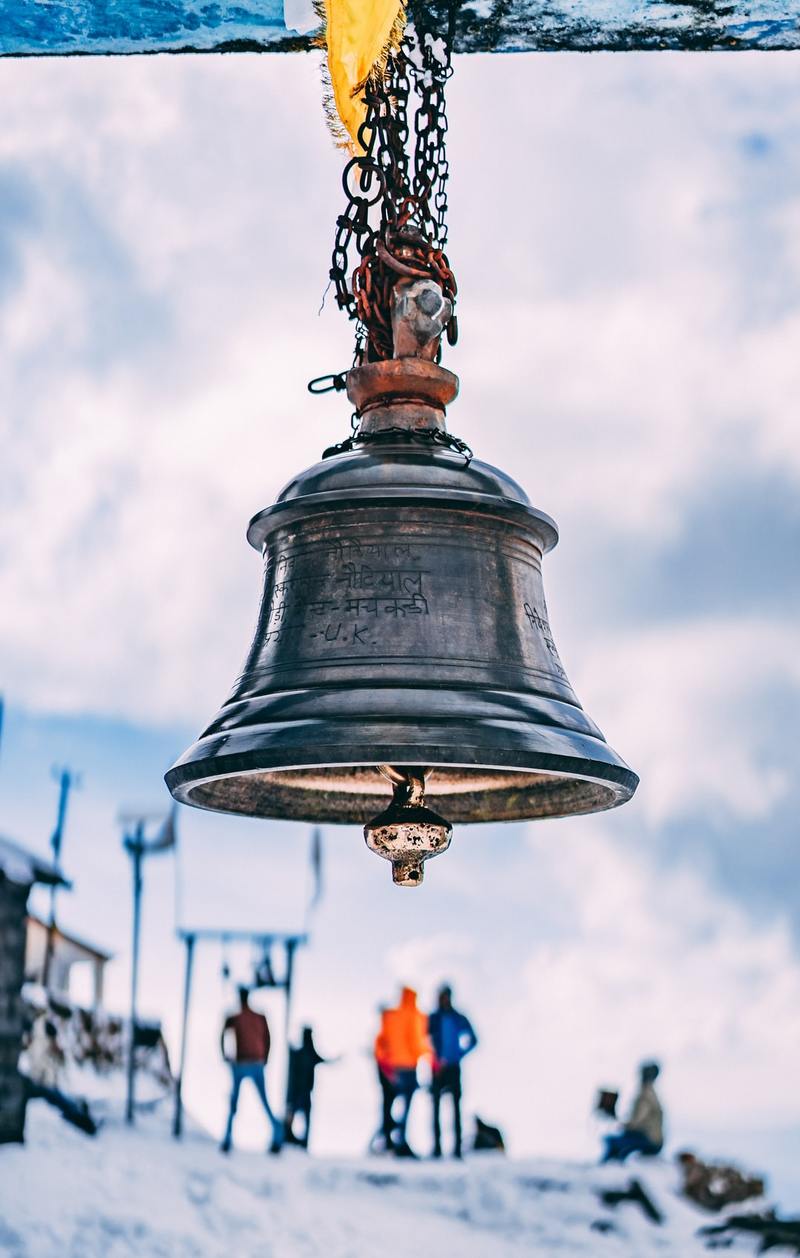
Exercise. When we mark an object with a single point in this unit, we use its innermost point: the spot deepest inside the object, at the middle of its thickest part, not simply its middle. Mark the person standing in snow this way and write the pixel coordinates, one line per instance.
(252, 1039)
(384, 1132)
(452, 1037)
(303, 1061)
(644, 1131)
(402, 1041)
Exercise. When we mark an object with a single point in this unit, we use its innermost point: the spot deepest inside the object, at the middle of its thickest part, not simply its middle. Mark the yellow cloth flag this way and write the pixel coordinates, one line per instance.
(358, 36)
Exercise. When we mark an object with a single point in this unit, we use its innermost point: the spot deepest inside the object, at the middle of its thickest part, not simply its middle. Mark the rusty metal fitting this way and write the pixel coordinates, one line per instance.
(401, 393)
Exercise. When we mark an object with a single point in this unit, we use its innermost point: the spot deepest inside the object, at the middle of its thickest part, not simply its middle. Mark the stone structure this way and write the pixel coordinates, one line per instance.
(19, 870)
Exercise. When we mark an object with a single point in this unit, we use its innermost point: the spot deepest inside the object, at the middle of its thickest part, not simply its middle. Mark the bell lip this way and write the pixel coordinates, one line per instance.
(613, 776)
(273, 517)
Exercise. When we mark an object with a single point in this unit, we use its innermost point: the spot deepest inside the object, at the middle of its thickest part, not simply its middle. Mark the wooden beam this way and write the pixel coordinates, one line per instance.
(30, 28)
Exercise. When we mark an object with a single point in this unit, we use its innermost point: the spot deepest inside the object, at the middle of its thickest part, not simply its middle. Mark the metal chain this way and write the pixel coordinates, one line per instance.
(411, 436)
(396, 215)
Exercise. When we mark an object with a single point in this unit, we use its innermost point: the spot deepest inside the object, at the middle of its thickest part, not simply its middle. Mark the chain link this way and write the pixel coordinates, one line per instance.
(396, 215)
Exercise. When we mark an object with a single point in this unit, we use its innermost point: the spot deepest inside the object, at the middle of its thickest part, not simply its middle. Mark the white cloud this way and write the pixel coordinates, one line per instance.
(157, 346)
(656, 963)
(689, 703)
(634, 293)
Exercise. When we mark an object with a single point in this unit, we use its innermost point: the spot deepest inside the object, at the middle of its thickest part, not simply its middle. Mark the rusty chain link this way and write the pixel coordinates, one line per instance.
(396, 215)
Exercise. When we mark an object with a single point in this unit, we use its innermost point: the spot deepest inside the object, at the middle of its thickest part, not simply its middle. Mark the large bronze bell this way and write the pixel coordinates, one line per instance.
(403, 624)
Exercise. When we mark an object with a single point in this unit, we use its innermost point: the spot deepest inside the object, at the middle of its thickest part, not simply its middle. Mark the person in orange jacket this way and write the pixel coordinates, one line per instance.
(384, 1132)
(400, 1044)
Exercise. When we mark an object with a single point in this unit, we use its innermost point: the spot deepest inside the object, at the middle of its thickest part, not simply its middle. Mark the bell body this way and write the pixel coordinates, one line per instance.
(403, 622)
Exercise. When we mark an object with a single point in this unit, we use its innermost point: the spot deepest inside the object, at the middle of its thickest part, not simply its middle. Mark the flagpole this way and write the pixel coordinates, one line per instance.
(66, 781)
(137, 848)
(177, 1123)
(315, 859)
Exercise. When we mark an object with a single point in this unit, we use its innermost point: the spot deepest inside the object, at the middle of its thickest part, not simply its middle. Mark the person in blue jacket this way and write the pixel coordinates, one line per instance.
(452, 1037)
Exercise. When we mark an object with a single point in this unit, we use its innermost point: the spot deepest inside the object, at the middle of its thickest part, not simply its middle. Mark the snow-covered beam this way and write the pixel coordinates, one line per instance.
(108, 27)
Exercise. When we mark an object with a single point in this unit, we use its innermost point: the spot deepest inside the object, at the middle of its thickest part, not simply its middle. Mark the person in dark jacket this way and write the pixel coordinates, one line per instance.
(251, 1034)
(303, 1061)
(452, 1036)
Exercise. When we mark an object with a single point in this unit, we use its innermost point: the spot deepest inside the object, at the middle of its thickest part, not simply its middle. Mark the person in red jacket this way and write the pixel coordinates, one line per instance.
(252, 1039)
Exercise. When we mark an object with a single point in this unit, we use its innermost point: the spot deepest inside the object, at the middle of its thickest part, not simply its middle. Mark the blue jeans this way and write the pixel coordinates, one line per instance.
(254, 1070)
(623, 1143)
(405, 1085)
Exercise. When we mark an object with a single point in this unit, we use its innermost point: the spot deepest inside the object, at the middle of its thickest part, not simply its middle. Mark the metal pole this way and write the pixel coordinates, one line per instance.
(136, 848)
(290, 945)
(64, 787)
(177, 1125)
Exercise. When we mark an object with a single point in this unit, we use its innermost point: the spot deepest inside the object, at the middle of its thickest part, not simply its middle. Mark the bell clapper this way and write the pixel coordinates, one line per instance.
(407, 833)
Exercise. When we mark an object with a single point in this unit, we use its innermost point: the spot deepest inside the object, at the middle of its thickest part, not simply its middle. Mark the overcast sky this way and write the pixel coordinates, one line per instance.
(626, 235)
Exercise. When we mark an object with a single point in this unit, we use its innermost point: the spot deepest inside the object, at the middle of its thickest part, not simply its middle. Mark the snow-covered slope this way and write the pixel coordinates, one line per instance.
(139, 1193)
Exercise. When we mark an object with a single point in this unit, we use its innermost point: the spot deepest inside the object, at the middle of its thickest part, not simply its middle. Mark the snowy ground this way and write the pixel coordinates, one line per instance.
(141, 1194)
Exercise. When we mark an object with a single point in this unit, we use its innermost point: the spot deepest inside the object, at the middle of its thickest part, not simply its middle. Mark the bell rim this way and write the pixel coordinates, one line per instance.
(612, 776)
(469, 731)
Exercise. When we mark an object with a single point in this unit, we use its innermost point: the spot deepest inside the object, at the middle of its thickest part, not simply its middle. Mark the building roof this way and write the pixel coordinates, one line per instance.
(74, 940)
(24, 867)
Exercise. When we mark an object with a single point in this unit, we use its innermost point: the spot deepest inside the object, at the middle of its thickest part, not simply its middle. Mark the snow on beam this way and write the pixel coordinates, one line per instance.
(108, 27)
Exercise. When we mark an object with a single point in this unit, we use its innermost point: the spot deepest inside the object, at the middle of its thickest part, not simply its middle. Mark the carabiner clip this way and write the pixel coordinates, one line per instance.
(338, 382)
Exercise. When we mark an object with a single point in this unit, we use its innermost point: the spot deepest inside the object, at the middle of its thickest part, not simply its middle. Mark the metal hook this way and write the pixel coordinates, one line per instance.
(338, 383)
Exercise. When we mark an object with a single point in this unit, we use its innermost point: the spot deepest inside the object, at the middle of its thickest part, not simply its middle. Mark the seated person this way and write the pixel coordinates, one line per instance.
(644, 1131)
